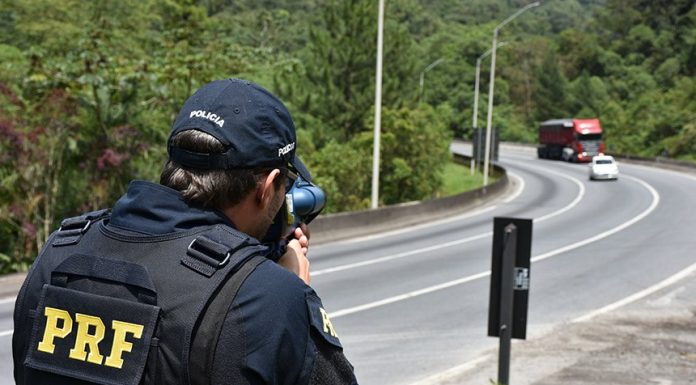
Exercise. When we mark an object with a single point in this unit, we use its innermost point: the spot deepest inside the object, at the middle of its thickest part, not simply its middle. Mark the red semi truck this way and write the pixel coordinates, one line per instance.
(574, 140)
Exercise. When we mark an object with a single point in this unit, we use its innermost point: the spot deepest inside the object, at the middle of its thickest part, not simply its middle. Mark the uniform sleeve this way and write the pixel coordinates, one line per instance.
(277, 333)
(265, 336)
(330, 365)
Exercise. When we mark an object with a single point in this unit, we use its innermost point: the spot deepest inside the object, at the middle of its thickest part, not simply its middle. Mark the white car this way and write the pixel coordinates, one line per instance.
(604, 167)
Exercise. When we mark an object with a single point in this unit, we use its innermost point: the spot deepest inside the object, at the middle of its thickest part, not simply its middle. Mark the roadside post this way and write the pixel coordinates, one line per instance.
(509, 294)
(478, 140)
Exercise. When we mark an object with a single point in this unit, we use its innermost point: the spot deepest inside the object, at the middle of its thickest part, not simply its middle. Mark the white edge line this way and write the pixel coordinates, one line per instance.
(641, 294)
(517, 192)
(334, 269)
(680, 173)
(399, 255)
(5, 333)
(458, 370)
(412, 294)
(470, 214)
(520, 188)
(650, 209)
(409, 228)
(453, 372)
(445, 285)
(578, 198)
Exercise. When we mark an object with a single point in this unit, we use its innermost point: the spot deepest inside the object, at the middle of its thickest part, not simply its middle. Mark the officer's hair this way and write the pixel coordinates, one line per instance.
(216, 189)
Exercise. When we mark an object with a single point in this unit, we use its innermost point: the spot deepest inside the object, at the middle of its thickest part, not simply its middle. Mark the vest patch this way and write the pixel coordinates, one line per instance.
(319, 318)
(90, 332)
(328, 327)
(91, 337)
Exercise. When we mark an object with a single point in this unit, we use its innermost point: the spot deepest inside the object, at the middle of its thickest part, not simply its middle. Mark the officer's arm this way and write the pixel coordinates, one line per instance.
(330, 364)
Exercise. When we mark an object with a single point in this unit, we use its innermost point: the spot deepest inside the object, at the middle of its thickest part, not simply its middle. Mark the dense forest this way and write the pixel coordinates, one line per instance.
(89, 89)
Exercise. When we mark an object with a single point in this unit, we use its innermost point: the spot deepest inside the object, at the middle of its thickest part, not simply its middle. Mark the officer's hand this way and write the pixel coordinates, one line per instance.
(303, 230)
(295, 257)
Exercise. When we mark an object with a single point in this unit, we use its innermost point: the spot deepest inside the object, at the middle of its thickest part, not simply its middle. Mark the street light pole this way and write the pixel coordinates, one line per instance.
(378, 108)
(491, 85)
(474, 120)
(422, 77)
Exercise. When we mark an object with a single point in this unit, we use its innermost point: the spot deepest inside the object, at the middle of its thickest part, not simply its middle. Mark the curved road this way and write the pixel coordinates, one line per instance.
(413, 303)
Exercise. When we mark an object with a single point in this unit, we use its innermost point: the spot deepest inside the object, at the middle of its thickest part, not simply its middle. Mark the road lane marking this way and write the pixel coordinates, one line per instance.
(408, 229)
(463, 368)
(457, 371)
(7, 300)
(578, 198)
(399, 255)
(6, 333)
(412, 294)
(641, 294)
(416, 293)
(520, 187)
(453, 373)
(650, 209)
(473, 213)
(680, 173)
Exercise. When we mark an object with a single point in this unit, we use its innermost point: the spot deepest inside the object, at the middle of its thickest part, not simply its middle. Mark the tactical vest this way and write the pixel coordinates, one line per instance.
(103, 306)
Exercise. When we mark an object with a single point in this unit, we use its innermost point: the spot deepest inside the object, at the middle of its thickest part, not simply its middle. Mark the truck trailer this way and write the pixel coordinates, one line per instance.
(573, 140)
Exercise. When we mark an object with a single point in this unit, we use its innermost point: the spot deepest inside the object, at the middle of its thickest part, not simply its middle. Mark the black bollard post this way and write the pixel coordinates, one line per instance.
(506, 302)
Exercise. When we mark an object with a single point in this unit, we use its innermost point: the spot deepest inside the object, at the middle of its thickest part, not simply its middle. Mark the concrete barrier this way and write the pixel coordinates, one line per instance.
(333, 227)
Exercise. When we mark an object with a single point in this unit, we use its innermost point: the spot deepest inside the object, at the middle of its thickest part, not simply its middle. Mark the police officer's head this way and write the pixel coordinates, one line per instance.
(232, 141)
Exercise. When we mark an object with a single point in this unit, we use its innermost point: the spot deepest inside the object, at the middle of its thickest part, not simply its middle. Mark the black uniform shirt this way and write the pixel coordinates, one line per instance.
(276, 331)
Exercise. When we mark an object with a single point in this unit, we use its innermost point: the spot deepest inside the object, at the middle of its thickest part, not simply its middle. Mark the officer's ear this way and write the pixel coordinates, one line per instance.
(266, 191)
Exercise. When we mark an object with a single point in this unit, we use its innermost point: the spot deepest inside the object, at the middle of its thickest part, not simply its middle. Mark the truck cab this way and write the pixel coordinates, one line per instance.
(573, 140)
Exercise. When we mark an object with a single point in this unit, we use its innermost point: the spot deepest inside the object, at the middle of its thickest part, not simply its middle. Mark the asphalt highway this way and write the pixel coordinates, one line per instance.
(412, 303)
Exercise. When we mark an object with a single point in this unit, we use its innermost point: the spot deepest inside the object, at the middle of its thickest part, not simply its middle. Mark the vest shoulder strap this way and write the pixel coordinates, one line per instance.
(208, 253)
(208, 332)
(72, 229)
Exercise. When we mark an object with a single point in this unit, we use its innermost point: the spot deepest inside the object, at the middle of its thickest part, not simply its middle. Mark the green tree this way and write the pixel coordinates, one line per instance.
(552, 90)
(414, 150)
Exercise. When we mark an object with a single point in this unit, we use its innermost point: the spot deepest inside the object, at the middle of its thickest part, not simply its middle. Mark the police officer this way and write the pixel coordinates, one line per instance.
(174, 285)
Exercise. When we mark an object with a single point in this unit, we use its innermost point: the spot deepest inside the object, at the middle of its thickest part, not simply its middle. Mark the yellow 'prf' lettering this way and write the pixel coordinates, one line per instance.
(120, 344)
(328, 327)
(84, 339)
(52, 330)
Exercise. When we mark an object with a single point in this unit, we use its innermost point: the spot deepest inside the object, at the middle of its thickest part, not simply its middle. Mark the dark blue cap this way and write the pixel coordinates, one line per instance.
(253, 125)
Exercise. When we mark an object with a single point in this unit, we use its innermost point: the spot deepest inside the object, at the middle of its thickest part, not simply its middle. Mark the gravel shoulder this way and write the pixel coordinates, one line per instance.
(649, 341)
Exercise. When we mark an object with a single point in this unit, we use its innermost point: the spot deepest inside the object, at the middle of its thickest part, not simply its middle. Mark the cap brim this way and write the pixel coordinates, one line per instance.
(301, 169)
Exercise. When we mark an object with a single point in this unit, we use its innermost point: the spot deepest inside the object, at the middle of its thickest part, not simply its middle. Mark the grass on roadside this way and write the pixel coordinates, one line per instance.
(457, 178)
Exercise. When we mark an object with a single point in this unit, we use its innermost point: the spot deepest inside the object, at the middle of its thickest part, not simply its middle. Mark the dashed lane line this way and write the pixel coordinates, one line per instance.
(373, 261)
(445, 285)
